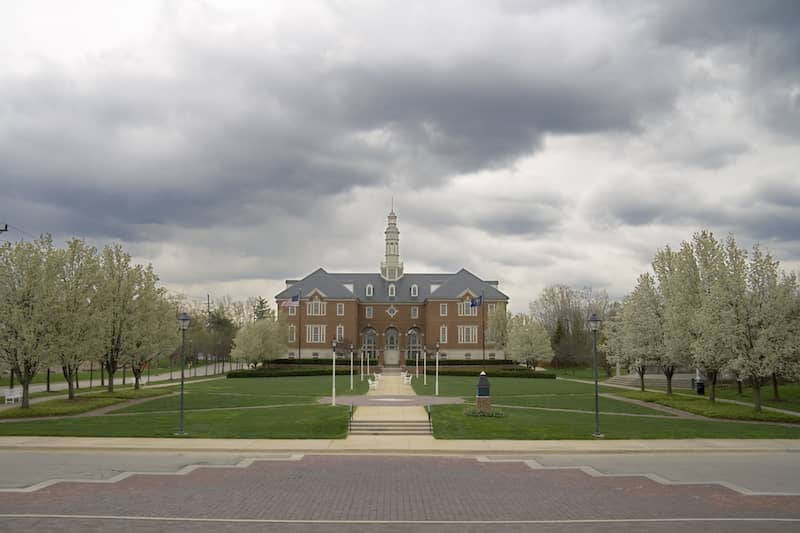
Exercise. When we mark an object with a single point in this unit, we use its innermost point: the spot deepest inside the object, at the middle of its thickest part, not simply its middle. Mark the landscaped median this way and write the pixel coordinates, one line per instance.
(83, 403)
(700, 405)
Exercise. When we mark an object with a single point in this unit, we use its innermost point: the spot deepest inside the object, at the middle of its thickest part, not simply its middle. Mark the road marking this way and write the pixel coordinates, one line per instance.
(533, 464)
(188, 469)
(399, 522)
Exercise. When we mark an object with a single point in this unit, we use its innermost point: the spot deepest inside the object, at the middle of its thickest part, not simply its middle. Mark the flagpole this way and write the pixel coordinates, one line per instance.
(483, 325)
(299, 325)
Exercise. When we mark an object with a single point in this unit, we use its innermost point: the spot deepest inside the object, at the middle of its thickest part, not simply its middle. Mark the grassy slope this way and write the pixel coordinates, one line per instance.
(449, 422)
(532, 393)
(82, 403)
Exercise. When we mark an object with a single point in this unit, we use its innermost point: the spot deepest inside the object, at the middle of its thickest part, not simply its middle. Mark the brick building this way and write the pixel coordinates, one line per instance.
(392, 316)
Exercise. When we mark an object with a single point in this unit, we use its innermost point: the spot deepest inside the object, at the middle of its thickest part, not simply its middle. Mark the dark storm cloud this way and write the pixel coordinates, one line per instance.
(232, 126)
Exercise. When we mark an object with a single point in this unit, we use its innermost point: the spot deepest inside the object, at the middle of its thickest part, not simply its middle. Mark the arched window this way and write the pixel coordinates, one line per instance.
(369, 290)
(339, 332)
(414, 290)
(392, 289)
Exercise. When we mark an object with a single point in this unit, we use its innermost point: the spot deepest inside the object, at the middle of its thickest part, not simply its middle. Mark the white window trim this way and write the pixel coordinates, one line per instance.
(292, 311)
(339, 332)
(443, 309)
(414, 290)
(319, 329)
(370, 290)
(368, 312)
(468, 334)
(292, 333)
(414, 311)
(443, 334)
(491, 307)
(339, 306)
(392, 290)
(321, 308)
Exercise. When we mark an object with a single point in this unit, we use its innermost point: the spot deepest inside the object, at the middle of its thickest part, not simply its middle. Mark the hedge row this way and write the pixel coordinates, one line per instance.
(282, 372)
(494, 373)
(442, 362)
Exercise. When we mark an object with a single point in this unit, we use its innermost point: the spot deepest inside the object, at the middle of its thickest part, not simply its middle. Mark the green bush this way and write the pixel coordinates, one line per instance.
(494, 373)
(285, 372)
(491, 413)
(471, 362)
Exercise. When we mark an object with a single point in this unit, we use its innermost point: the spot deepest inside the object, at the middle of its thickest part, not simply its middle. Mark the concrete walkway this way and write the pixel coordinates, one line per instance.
(391, 387)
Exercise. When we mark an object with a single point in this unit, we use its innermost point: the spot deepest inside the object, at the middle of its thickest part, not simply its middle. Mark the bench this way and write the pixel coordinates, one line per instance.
(407, 379)
(13, 396)
(373, 385)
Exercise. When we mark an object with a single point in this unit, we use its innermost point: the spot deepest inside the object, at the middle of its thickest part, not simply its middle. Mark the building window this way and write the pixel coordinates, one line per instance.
(467, 356)
(443, 334)
(414, 290)
(391, 311)
(315, 334)
(292, 333)
(315, 355)
(316, 308)
(369, 290)
(291, 355)
(339, 309)
(491, 355)
(491, 307)
(392, 290)
(442, 309)
(368, 311)
(465, 309)
(292, 311)
(414, 312)
(467, 334)
(339, 332)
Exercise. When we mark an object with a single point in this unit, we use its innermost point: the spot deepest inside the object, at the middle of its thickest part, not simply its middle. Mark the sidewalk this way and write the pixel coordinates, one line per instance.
(412, 444)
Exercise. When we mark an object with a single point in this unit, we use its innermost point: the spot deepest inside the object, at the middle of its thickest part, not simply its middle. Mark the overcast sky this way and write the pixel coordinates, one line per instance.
(237, 144)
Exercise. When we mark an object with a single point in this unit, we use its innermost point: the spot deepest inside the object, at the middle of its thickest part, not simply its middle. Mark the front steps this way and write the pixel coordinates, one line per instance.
(389, 427)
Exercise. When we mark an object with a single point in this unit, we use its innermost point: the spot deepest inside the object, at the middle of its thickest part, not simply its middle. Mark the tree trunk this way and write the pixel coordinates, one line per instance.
(641, 371)
(26, 399)
(668, 373)
(67, 371)
(110, 377)
(775, 394)
(102, 375)
(739, 386)
(712, 394)
(137, 377)
(755, 383)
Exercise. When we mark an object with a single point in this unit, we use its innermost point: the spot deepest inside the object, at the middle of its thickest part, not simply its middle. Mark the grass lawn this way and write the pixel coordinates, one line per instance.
(701, 406)
(82, 403)
(789, 394)
(303, 422)
(245, 392)
(551, 393)
(580, 373)
(449, 422)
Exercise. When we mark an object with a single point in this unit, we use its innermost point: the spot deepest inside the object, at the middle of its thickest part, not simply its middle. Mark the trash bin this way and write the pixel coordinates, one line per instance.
(701, 387)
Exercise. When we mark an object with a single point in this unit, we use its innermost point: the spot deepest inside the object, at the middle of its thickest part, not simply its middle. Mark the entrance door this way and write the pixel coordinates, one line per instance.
(391, 357)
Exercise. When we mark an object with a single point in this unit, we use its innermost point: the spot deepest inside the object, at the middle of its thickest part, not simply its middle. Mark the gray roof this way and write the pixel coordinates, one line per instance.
(451, 287)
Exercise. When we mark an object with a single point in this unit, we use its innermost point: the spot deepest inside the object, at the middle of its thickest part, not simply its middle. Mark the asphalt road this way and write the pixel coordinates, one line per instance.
(401, 493)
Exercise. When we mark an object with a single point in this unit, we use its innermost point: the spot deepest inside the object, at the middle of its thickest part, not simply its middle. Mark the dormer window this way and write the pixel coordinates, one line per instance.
(369, 290)
(414, 290)
(392, 290)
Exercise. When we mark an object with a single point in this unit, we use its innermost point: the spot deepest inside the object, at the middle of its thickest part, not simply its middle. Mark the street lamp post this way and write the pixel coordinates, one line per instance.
(424, 365)
(437, 368)
(594, 322)
(361, 363)
(333, 366)
(351, 367)
(183, 321)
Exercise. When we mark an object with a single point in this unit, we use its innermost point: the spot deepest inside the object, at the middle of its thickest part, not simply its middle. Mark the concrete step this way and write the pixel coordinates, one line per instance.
(389, 427)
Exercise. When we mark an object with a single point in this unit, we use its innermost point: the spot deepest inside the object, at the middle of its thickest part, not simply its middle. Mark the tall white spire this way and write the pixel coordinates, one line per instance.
(391, 266)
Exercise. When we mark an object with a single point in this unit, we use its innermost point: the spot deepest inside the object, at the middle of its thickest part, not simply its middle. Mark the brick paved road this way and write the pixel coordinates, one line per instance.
(401, 489)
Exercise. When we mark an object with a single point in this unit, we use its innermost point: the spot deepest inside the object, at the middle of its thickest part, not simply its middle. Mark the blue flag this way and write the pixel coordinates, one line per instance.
(476, 302)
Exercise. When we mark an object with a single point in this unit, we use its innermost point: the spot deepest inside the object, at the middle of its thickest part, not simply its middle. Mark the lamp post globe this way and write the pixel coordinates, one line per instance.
(593, 322)
(183, 321)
